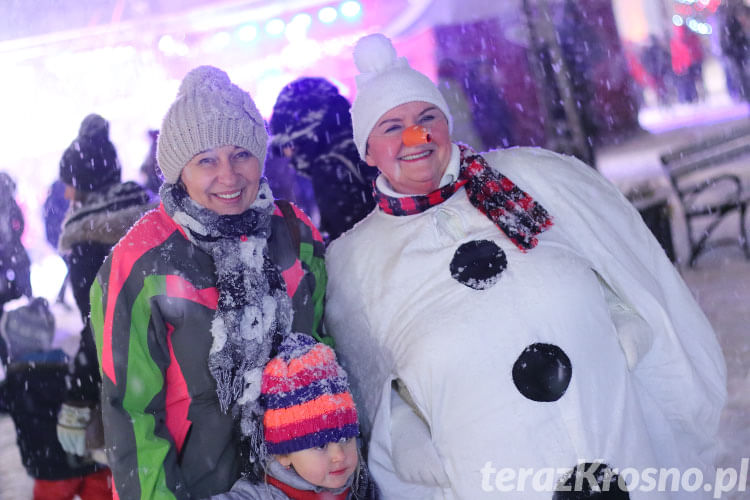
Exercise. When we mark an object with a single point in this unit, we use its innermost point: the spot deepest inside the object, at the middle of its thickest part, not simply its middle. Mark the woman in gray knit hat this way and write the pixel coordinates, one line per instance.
(194, 300)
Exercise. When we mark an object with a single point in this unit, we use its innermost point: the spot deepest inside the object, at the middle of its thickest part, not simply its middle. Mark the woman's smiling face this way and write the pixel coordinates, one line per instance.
(413, 169)
(224, 179)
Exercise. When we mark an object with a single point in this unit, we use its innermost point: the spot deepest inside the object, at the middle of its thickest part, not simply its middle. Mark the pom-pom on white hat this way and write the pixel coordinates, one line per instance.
(386, 81)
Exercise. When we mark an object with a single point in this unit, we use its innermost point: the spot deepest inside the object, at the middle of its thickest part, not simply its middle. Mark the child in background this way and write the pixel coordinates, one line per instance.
(15, 266)
(32, 392)
(310, 429)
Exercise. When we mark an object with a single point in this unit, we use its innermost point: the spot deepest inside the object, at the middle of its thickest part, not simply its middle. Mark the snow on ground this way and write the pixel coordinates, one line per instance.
(14, 483)
(721, 279)
(720, 283)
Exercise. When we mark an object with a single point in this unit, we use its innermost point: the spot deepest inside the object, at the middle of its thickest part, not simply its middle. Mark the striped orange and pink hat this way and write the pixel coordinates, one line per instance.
(305, 394)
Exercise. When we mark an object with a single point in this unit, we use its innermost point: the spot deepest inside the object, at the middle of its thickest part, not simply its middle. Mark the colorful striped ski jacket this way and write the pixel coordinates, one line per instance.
(151, 310)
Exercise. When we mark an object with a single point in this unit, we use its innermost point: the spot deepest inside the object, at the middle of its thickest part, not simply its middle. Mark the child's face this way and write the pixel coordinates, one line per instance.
(327, 466)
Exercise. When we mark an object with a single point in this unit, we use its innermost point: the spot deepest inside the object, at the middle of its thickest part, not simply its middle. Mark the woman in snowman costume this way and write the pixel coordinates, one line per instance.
(510, 325)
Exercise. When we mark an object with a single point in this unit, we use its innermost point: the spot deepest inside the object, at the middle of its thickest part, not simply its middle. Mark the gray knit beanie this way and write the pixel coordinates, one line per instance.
(384, 82)
(209, 112)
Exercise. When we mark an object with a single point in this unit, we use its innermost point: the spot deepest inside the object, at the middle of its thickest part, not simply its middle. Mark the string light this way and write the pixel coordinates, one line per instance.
(350, 9)
(327, 15)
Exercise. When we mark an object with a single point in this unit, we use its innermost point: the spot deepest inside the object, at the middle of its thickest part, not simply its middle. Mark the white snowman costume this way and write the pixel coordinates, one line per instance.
(637, 397)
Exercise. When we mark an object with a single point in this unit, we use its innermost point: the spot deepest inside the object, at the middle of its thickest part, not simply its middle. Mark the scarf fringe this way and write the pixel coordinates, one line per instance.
(229, 387)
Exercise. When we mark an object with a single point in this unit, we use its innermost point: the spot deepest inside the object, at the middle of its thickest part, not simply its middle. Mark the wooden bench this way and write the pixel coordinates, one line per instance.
(706, 191)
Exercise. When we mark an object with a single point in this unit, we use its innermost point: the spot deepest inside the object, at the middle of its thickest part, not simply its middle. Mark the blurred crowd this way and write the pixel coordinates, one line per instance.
(671, 66)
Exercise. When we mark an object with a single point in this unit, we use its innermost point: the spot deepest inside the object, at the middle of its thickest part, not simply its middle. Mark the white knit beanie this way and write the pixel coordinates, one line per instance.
(209, 112)
(386, 81)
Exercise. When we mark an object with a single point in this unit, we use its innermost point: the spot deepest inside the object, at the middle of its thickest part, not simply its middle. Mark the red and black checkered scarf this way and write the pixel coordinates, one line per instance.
(517, 215)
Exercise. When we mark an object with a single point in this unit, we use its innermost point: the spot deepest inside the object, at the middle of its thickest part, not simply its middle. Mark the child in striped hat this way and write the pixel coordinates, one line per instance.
(310, 429)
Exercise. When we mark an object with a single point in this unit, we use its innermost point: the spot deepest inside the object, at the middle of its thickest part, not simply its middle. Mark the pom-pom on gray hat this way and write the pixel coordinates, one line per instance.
(386, 81)
(209, 111)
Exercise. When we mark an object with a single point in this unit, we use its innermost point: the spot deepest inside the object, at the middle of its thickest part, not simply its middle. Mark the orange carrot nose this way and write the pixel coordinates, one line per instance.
(416, 135)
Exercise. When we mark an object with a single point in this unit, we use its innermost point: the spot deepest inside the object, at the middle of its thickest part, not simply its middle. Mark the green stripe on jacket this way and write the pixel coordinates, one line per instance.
(144, 381)
(317, 266)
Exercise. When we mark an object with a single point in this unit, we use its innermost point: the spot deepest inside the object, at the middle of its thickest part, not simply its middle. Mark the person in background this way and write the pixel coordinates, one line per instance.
(452, 84)
(15, 265)
(32, 393)
(657, 60)
(311, 125)
(687, 63)
(736, 46)
(102, 209)
(310, 429)
(287, 184)
(150, 174)
(493, 119)
(194, 300)
(508, 310)
(55, 208)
